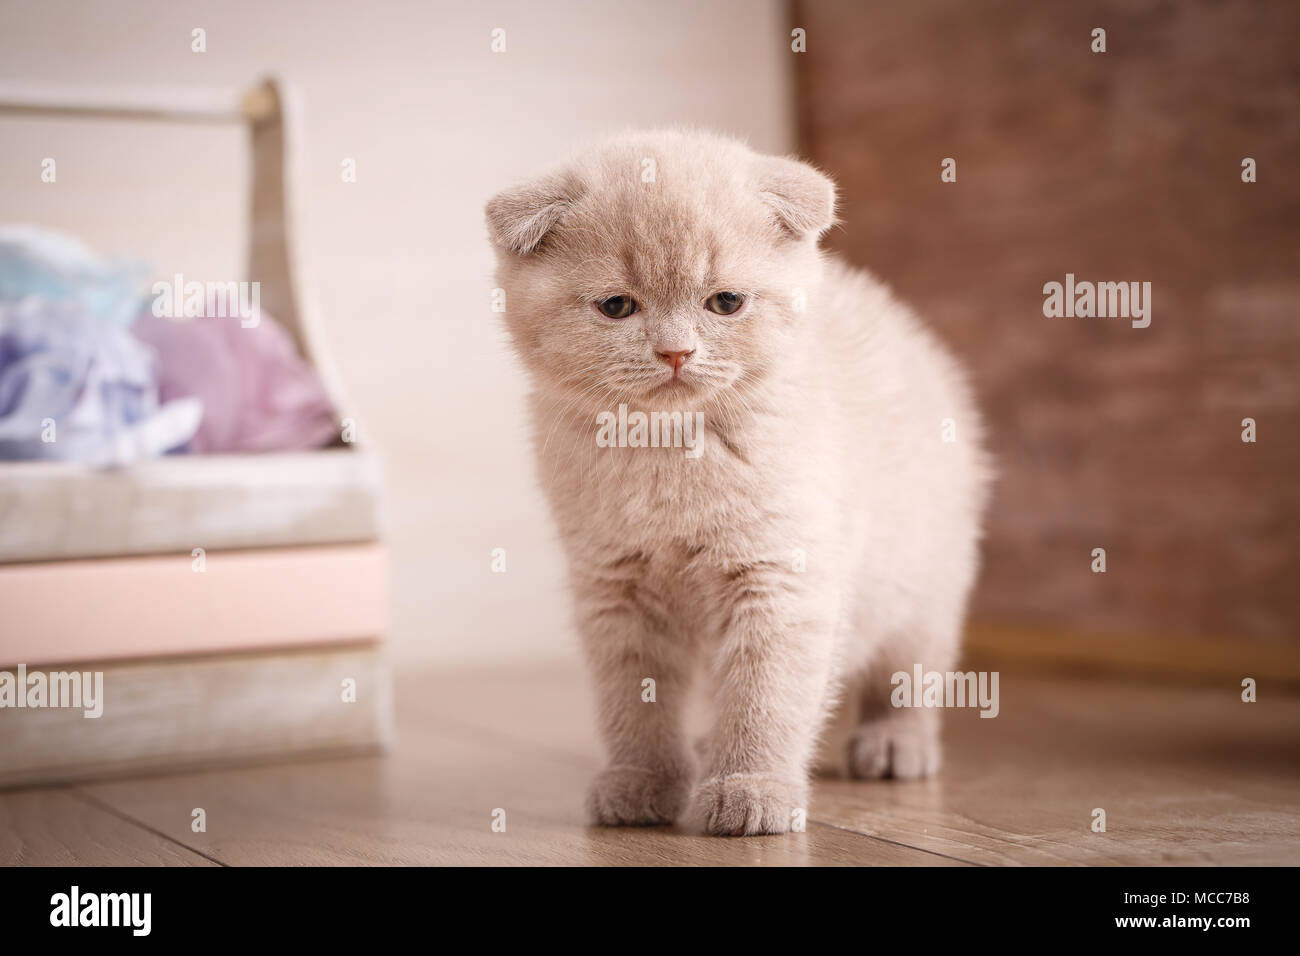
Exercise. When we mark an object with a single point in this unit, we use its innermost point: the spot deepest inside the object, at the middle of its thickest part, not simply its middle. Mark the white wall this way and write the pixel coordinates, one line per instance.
(436, 123)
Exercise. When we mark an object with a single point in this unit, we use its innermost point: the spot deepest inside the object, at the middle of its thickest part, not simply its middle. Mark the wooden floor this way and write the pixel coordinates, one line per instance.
(1186, 776)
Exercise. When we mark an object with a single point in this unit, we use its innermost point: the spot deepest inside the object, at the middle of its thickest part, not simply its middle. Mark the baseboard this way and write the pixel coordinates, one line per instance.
(201, 712)
(1189, 658)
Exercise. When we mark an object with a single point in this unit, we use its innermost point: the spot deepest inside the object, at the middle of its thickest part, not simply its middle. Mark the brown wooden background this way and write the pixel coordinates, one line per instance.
(1117, 166)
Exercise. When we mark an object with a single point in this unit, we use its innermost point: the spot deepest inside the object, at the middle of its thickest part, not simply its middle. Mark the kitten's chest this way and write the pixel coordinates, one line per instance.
(651, 496)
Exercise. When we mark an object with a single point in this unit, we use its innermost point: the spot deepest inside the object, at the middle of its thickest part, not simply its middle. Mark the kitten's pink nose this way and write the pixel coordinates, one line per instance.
(675, 359)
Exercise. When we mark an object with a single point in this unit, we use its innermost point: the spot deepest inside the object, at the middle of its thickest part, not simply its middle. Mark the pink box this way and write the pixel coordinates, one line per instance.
(131, 607)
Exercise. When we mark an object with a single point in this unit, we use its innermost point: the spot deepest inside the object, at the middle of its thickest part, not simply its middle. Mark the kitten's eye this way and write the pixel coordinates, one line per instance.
(724, 303)
(617, 306)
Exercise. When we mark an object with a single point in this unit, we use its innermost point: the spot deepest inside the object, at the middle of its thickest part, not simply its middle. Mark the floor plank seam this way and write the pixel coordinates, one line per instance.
(458, 728)
(908, 846)
(80, 794)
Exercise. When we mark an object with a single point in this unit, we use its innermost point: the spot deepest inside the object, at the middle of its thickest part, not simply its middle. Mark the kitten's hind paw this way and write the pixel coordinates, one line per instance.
(903, 748)
(631, 796)
(745, 804)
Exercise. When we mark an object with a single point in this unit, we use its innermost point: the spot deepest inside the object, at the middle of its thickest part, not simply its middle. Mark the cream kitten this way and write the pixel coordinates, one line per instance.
(822, 534)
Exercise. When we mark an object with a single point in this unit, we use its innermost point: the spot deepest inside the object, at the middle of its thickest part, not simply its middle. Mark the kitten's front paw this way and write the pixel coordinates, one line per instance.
(632, 796)
(745, 804)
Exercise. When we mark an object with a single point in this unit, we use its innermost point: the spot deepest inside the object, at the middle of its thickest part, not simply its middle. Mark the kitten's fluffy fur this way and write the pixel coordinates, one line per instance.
(827, 536)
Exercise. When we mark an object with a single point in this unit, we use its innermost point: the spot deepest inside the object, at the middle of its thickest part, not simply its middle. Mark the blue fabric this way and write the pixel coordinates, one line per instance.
(74, 383)
(58, 268)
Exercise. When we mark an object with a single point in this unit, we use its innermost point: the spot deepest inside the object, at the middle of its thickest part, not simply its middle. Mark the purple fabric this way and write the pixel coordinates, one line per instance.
(258, 394)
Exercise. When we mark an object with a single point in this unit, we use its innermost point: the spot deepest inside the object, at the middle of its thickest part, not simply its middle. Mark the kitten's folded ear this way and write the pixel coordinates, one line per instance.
(520, 217)
(802, 199)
